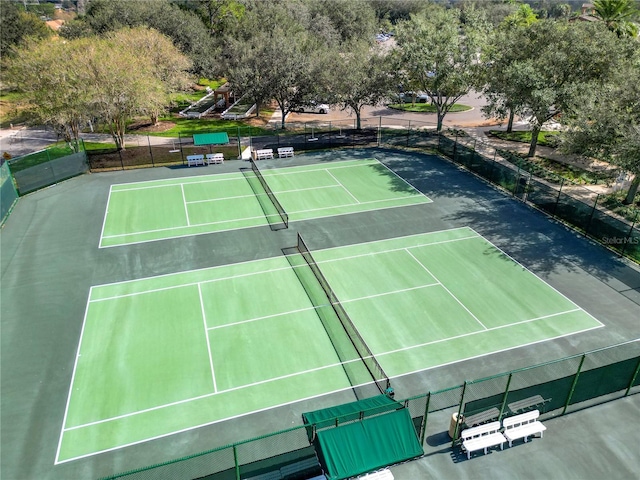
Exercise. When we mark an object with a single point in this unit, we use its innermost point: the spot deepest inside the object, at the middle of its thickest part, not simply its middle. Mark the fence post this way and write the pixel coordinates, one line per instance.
(424, 420)
(506, 394)
(121, 161)
(150, 151)
(633, 378)
(409, 134)
(180, 143)
(573, 385)
(455, 430)
(628, 239)
(595, 204)
(555, 206)
(235, 460)
(379, 130)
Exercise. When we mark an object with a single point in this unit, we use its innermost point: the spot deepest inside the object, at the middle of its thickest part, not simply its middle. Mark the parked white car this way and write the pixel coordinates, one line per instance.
(314, 107)
(407, 97)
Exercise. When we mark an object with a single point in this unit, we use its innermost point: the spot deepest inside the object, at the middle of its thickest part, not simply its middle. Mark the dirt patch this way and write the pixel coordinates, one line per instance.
(148, 127)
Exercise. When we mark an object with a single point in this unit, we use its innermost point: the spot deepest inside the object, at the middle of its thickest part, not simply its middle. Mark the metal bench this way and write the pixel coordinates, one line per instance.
(482, 417)
(522, 426)
(264, 154)
(285, 152)
(195, 160)
(215, 158)
(482, 438)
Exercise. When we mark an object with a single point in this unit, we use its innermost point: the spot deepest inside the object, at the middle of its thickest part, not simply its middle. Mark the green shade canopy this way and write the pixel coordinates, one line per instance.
(218, 138)
(362, 447)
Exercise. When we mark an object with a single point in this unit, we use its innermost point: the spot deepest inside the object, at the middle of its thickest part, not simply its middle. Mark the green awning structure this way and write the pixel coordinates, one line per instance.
(371, 444)
(218, 138)
(332, 416)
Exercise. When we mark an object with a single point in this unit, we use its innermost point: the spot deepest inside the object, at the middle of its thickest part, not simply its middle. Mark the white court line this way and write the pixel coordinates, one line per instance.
(448, 291)
(145, 232)
(288, 267)
(206, 395)
(266, 317)
(391, 292)
(391, 250)
(455, 337)
(73, 377)
(340, 183)
(184, 203)
(542, 280)
(104, 219)
(206, 332)
(277, 192)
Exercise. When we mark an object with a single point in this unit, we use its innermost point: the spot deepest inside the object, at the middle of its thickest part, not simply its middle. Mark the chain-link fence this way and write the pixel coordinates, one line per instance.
(568, 202)
(150, 151)
(554, 388)
(49, 166)
(8, 192)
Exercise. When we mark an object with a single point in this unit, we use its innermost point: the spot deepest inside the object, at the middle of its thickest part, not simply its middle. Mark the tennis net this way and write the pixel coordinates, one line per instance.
(283, 215)
(336, 335)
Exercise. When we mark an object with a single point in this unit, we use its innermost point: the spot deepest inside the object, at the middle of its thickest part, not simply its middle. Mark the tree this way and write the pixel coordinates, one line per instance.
(438, 53)
(618, 16)
(523, 16)
(360, 76)
(272, 56)
(54, 77)
(607, 125)
(17, 26)
(184, 27)
(112, 79)
(542, 70)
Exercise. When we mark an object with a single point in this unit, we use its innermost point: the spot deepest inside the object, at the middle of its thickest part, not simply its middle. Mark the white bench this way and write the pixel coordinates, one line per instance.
(285, 152)
(522, 426)
(482, 437)
(195, 160)
(264, 154)
(215, 158)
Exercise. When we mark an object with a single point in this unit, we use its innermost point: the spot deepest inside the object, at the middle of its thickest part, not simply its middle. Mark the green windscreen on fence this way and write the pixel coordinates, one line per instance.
(333, 416)
(362, 447)
(218, 138)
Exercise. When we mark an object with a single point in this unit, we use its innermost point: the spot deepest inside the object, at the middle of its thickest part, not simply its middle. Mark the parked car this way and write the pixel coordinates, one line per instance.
(314, 107)
(408, 97)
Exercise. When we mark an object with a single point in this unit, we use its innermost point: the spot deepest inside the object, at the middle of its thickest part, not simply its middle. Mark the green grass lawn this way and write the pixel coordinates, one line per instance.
(189, 126)
(427, 107)
(545, 138)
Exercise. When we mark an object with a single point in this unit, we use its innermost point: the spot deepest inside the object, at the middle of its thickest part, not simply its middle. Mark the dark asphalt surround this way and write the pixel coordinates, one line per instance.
(50, 258)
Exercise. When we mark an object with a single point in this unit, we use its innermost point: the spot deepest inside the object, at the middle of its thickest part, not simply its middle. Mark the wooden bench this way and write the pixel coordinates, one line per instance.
(215, 158)
(482, 437)
(264, 154)
(522, 426)
(285, 152)
(195, 160)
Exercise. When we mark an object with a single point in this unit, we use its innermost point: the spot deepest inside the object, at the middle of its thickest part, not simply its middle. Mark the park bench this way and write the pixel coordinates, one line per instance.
(285, 152)
(482, 437)
(489, 415)
(195, 160)
(264, 154)
(536, 402)
(215, 158)
(522, 426)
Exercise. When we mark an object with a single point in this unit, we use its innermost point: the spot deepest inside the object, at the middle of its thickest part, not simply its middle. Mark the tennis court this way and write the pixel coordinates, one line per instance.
(170, 353)
(155, 210)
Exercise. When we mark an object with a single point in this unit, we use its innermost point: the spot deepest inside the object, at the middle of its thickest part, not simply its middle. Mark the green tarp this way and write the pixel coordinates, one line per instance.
(219, 138)
(362, 447)
(327, 417)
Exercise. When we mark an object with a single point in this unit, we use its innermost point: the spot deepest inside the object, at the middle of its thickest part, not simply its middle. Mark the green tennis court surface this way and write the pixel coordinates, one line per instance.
(170, 353)
(147, 211)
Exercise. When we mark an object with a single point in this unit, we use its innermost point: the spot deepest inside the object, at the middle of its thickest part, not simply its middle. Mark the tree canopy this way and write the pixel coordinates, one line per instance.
(109, 79)
(438, 53)
(544, 69)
